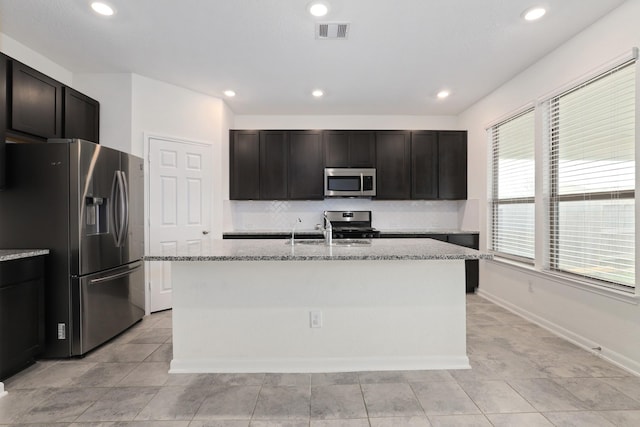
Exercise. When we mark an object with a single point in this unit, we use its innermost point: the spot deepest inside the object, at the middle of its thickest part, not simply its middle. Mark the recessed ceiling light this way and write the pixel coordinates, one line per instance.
(102, 8)
(534, 13)
(443, 94)
(318, 8)
(317, 93)
(229, 93)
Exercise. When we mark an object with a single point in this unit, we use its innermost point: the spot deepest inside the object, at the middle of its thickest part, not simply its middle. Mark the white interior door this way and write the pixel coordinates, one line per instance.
(179, 207)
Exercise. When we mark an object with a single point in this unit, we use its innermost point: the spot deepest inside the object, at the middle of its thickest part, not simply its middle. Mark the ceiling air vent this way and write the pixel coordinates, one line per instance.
(332, 31)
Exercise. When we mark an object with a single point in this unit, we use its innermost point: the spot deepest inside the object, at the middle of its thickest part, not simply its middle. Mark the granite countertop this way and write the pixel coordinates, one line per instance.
(11, 254)
(272, 233)
(315, 250)
(409, 231)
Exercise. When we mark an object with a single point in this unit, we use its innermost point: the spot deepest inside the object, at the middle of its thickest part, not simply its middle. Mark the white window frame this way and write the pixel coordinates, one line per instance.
(550, 196)
(495, 201)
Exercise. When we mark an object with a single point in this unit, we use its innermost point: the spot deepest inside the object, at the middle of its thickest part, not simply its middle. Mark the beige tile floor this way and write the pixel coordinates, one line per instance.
(522, 376)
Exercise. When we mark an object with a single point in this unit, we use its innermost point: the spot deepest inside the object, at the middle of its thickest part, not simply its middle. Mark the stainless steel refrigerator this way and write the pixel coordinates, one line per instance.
(85, 203)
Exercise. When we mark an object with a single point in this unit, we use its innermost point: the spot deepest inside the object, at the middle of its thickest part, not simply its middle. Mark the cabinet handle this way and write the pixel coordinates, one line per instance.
(205, 232)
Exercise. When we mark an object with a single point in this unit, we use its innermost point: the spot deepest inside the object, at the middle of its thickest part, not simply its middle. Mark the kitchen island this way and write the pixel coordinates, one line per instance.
(269, 306)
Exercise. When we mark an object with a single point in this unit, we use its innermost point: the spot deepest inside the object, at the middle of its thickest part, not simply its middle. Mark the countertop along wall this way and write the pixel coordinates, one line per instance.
(589, 317)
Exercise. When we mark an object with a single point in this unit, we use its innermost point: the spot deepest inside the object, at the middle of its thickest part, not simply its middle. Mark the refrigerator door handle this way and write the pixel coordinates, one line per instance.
(122, 208)
(114, 213)
(125, 199)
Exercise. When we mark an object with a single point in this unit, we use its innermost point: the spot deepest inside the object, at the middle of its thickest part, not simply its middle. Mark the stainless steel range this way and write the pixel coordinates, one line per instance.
(351, 224)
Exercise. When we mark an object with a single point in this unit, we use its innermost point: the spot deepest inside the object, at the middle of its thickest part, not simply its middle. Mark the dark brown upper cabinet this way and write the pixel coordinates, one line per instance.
(452, 165)
(424, 165)
(3, 119)
(288, 165)
(36, 102)
(81, 116)
(258, 165)
(349, 148)
(305, 165)
(393, 165)
(244, 165)
(274, 172)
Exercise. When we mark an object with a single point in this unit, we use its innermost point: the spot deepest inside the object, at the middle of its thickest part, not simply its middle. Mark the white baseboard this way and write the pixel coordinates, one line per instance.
(581, 341)
(323, 365)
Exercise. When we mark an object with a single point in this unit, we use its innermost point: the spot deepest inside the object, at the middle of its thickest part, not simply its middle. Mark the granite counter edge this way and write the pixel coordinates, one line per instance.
(13, 254)
(318, 257)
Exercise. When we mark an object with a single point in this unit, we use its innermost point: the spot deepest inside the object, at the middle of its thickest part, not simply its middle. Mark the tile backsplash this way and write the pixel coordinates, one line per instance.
(386, 215)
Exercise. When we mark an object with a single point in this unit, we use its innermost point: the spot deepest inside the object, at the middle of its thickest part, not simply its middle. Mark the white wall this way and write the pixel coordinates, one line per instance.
(221, 156)
(346, 122)
(33, 59)
(168, 110)
(588, 318)
(114, 92)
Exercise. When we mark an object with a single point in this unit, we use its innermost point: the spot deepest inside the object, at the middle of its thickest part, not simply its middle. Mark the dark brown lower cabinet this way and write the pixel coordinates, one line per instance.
(21, 313)
(471, 265)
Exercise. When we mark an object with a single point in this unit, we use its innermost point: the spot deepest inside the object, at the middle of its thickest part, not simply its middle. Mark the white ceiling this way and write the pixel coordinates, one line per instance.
(398, 55)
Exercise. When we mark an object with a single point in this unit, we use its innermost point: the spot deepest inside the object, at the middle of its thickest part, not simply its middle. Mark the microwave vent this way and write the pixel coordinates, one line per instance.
(332, 31)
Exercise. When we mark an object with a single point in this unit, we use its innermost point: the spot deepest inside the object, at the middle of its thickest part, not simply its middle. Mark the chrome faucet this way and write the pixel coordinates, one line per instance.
(293, 231)
(328, 230)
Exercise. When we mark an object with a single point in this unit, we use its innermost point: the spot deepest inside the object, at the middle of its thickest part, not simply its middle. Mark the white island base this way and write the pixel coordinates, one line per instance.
(255, 316)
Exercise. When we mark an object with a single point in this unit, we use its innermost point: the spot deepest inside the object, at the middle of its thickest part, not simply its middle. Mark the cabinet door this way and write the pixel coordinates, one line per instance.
(36, 102)
(393, 165)
(349, 149)
(81, 116)
(244, 165)
(22, 305)
(305, 165)
(452, 165)
(336, 148)
(424, 165)
(274, 173)
(362, 149)
(3, 118)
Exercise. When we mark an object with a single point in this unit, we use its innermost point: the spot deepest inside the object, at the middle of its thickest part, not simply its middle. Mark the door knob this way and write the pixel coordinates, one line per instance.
(205, 232)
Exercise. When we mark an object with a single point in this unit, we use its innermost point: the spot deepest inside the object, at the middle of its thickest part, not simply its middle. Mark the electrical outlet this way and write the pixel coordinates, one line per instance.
(315, 319)
(62, 331)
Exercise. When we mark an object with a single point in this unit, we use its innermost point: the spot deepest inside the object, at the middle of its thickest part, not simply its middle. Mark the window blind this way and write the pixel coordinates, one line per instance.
(512, 214)
(592, 178)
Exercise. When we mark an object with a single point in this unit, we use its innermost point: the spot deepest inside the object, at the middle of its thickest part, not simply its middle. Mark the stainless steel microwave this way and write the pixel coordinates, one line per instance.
(349, 182)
